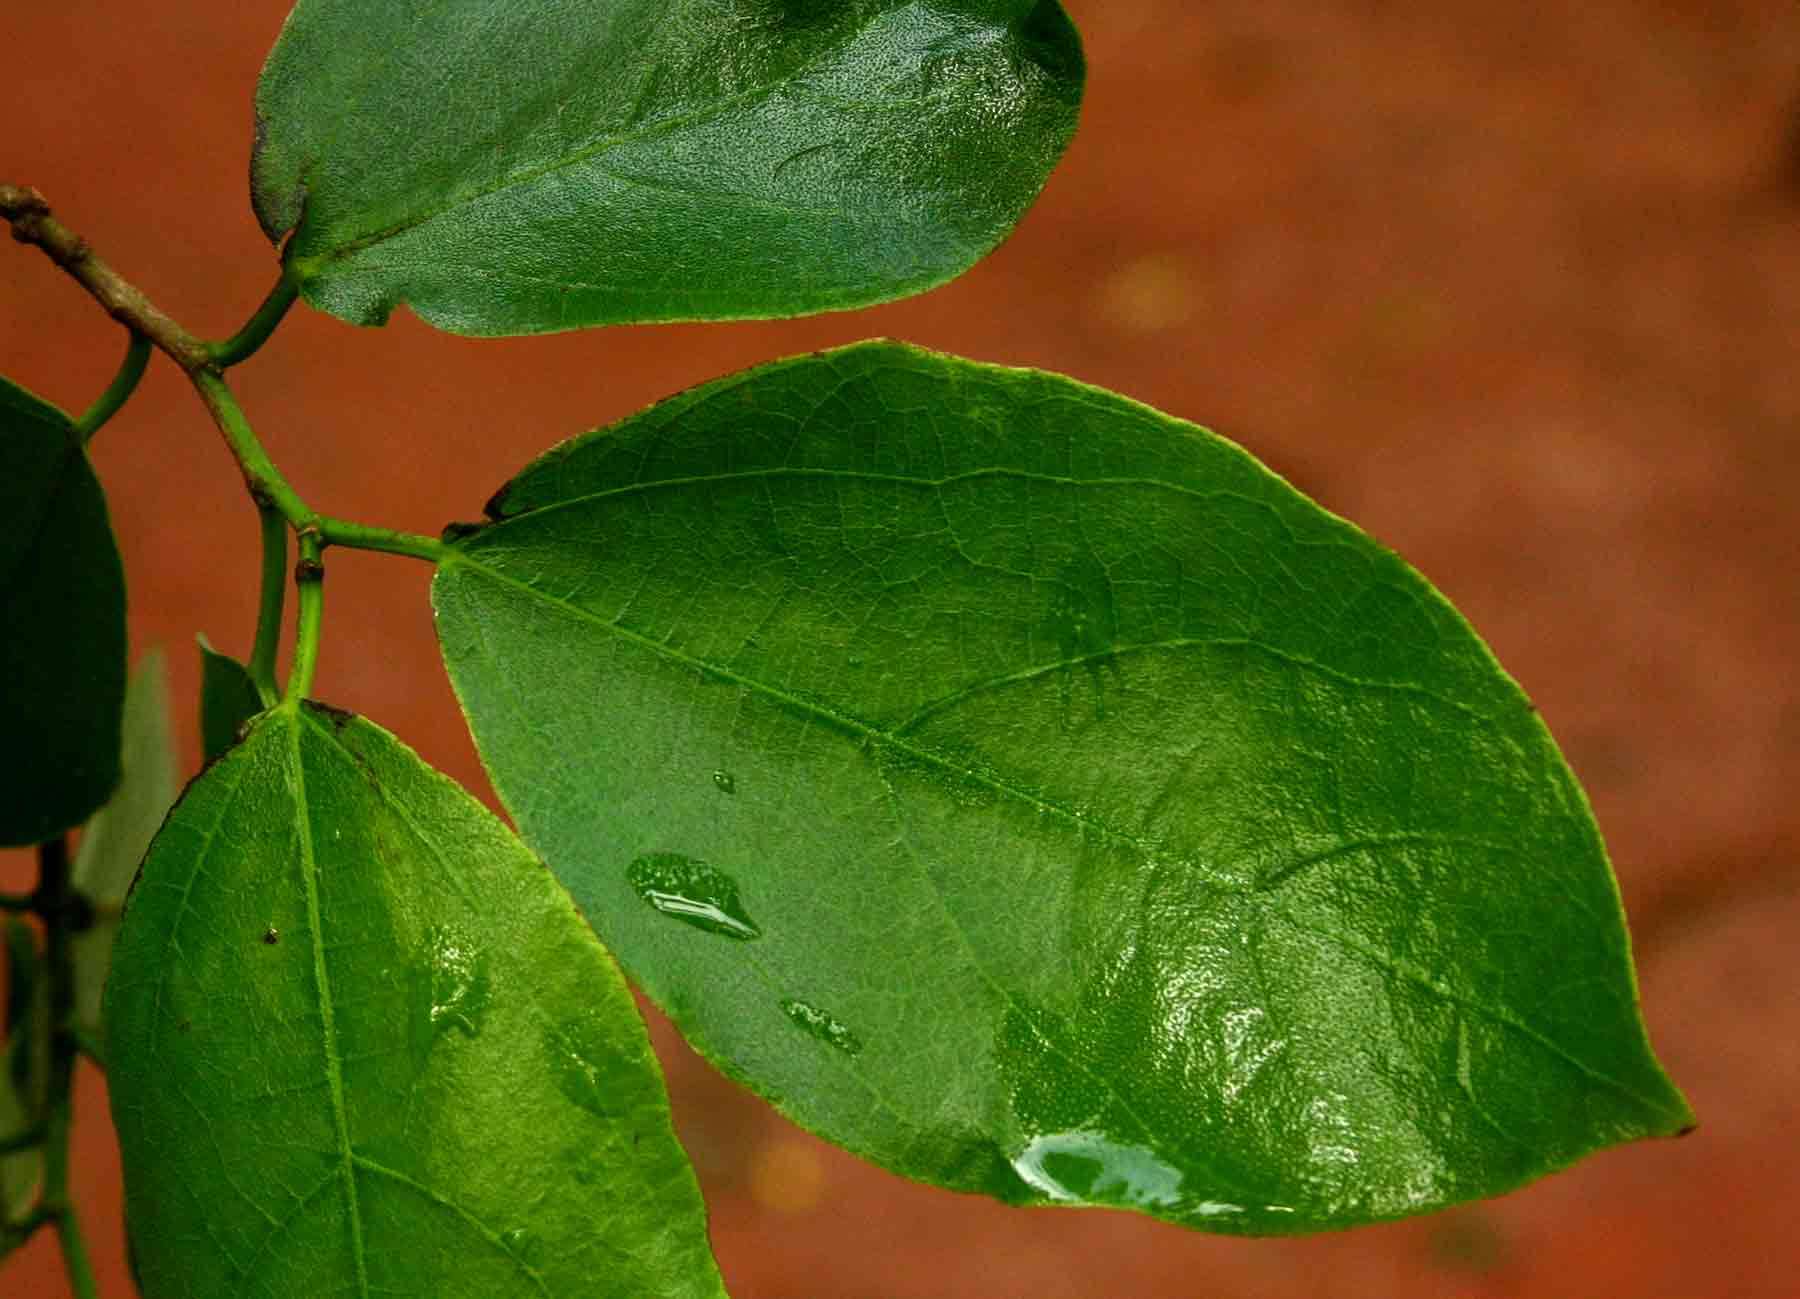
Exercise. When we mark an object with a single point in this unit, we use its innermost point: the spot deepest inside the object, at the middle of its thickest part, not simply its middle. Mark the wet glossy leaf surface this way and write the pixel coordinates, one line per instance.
(518, 166)
(360, 1043)
(62, 608)
(228, 699)
(1033, 793)
(115, 840)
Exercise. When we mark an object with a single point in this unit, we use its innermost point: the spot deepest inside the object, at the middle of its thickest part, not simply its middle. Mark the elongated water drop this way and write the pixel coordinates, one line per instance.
(823, 1026)
(692, 892)
(1092, 1168)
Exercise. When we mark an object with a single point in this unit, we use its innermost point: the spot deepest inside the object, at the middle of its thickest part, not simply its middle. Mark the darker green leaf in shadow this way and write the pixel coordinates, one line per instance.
(62, 608)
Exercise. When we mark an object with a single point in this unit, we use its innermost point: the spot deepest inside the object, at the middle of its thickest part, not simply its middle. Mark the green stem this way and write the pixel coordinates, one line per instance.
(274, 595)
(60, 908)
(75, 1256)
(244, 344)
(362, 536)
(29, 215)
(32, 223)
(309, 586)
(56, 1199)
(265, 481)
(118, 392)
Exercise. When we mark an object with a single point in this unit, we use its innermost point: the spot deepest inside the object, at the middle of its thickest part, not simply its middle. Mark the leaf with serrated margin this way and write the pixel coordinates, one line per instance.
(1033, 793)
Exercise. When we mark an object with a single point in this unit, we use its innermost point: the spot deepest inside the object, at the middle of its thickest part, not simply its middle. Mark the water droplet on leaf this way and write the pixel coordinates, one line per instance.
(726, 782)
(823, 1026)
(459, 983)
(692, 892)
(1092, 1168)
(583, 1056)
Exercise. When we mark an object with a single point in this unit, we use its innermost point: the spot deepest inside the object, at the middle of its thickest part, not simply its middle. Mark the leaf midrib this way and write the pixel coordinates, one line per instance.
(359, 767)
(1494, 1012)
(334, 1071)
(870, 734)
(841, 721)
(893, 739)
(537, 510)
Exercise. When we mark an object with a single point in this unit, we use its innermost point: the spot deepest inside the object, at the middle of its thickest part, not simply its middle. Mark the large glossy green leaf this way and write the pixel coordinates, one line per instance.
(520, 166)
(360, 1043)
(62, 626)
(1035, 794)
(115, 840)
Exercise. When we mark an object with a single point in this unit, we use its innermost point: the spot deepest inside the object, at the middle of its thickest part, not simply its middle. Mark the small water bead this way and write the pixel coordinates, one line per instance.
(583, 1064)
(460, 988)
(726, 782)
(817, 1023)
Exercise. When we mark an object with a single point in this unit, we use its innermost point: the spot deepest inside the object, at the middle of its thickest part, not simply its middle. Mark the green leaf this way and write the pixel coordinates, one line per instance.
(1033, 793)
(228, 699)
(359, 1042)
(62, 604)
(24, 1070)
(115, 841)
(523, 166)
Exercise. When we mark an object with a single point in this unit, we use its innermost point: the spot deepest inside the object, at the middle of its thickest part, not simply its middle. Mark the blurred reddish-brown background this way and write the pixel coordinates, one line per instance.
(1517, 287)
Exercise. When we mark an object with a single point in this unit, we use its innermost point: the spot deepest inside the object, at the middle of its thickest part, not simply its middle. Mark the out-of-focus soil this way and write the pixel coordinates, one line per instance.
(1516, 287)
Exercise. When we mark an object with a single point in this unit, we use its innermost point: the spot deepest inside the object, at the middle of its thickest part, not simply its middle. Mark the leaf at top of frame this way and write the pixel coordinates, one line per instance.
(62, 608)
(1035, 794)
(524, 166)
(359, 1042)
